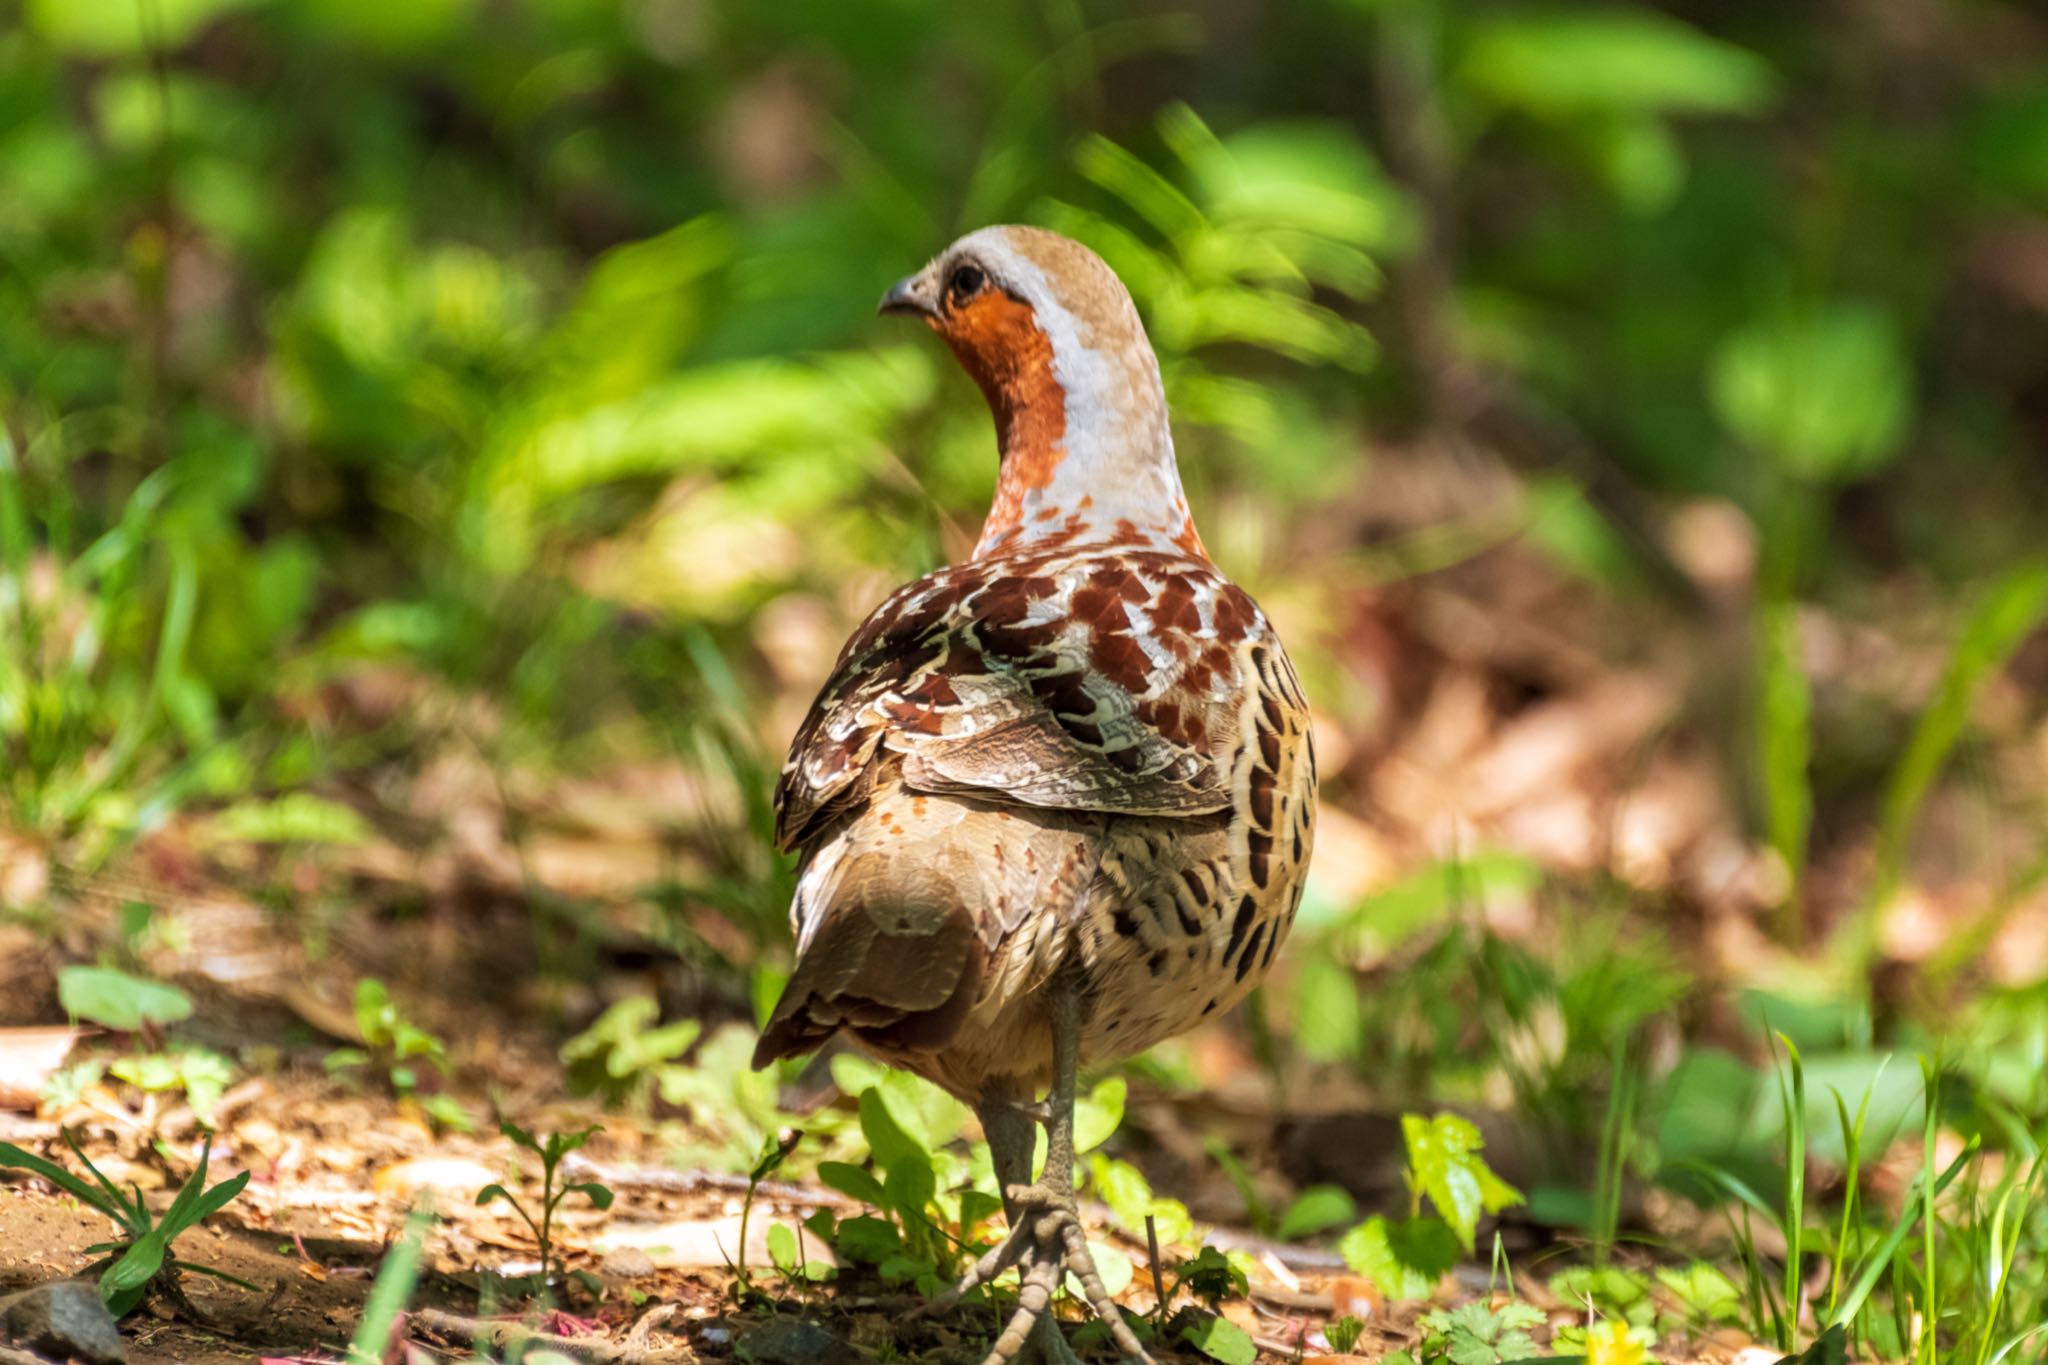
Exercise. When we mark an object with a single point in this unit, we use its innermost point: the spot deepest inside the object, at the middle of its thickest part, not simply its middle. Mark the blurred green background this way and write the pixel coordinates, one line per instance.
(443, 442)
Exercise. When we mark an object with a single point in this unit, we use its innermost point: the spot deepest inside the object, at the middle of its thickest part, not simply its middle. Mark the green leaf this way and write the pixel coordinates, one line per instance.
(1997, 625)
(519, 1136)
(1609, 60)
(885, 1133)
(492, 1192)
(903, 1269)
(125, 1281)
(112, 29)
(868, 1240)
(295, 818)
(782, 1248)
(1404, 1259)
(853, 1182)
(1212, 1276)
(1704, 1290)
(1444, 1163)
(1220, 1339)
(107, 1201)
(1786, 739)
(910, 1185)
(212, 1202)
(1098, 1114)
(1824, 393)
(600, 1196)
(119, 1001)
(977, 1206)
(1329, 1022)
(1115, 1268)
(1317, 1209)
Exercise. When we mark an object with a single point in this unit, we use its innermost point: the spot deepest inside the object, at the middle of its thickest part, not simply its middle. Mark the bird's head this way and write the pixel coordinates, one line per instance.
(1050, 334)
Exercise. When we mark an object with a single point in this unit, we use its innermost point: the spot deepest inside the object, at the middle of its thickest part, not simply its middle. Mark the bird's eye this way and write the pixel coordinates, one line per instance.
(967, 282)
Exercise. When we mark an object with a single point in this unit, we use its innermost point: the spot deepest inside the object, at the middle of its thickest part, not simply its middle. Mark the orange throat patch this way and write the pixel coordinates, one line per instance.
(1000, 343)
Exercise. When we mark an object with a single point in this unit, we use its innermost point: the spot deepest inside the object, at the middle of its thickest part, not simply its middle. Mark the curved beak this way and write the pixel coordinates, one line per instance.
(906, 299)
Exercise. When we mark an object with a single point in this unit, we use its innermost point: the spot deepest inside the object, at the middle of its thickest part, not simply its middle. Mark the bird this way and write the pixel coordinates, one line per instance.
(1055, 802)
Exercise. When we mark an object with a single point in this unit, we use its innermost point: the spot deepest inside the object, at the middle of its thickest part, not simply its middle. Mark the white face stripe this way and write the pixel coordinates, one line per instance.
(1118, 441)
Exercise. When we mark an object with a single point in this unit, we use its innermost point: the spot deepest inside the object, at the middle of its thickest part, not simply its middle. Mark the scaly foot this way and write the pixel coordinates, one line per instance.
(1045, 1242)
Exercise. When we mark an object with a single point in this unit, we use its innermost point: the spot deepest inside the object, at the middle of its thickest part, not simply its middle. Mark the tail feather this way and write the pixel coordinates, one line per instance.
(897, 972)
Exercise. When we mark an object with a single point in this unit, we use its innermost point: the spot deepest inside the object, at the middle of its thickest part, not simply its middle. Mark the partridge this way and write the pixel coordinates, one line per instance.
(1055, 802)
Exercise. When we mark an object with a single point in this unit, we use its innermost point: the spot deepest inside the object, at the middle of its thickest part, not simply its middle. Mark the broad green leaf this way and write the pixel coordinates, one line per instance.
(1824, 393)
(1329, 1021)
(1704, 1290)
(886, 1138)
(853, 1182)
(1098, 1114)
(119, 1001)
(295, 818)
(1591, 61)
(870, 1241)
(112, 28)
(910, 1185)
(1114, 1267)
(1220, 1339)
(1444, 1163)
(1317, 1209)
(1405, 1259)
(782, 1248)
(1129, 1196)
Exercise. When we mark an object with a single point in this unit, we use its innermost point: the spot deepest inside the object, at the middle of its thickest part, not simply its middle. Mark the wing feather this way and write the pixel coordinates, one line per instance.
(1090, 681)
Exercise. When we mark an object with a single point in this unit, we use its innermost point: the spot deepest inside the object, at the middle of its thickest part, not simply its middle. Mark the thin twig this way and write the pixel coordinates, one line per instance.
(513, 1337)
(1152, 1249)
(580, 1168)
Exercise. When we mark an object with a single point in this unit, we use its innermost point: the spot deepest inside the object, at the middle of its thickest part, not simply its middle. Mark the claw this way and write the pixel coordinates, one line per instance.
(1046, 1239)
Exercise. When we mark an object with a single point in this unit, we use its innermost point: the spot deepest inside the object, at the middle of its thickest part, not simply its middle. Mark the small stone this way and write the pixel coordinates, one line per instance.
(792, 1341)
(64, 1320)
(626, 1263)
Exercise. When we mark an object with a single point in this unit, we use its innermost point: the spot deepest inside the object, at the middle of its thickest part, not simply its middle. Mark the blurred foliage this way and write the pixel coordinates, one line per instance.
(518, 362)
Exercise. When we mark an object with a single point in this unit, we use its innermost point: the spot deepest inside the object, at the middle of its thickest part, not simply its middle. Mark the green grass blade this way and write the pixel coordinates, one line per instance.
(125, 1280)
(213, 1201)
(1795, 1187)
(218, 1275)
(14, 1157)
(1930, 1074)
(2006, 616)
(1908, 1216)
(135, 1212)
(388, 1296)
(1787, 739)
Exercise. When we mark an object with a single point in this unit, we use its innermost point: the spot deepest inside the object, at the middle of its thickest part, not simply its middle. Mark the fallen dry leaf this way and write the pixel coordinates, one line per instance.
(453, 1175)
(702, 1244)
(28, 1058)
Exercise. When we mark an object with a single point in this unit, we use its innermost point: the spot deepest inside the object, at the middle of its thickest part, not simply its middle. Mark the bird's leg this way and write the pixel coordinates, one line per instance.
(1045, 1237)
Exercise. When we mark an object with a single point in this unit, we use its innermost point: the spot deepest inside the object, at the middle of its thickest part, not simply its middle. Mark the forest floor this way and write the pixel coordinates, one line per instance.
(335, 1175)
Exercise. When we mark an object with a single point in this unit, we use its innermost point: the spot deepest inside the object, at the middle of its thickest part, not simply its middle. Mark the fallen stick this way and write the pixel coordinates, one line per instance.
(513, 1337)
(579, 1168)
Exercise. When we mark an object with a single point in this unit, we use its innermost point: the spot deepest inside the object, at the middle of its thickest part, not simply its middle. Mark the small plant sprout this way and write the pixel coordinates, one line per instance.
(550, 1150)
(140, 1259)
(774, 1152)
(393, 1044)
(1343, 1333)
